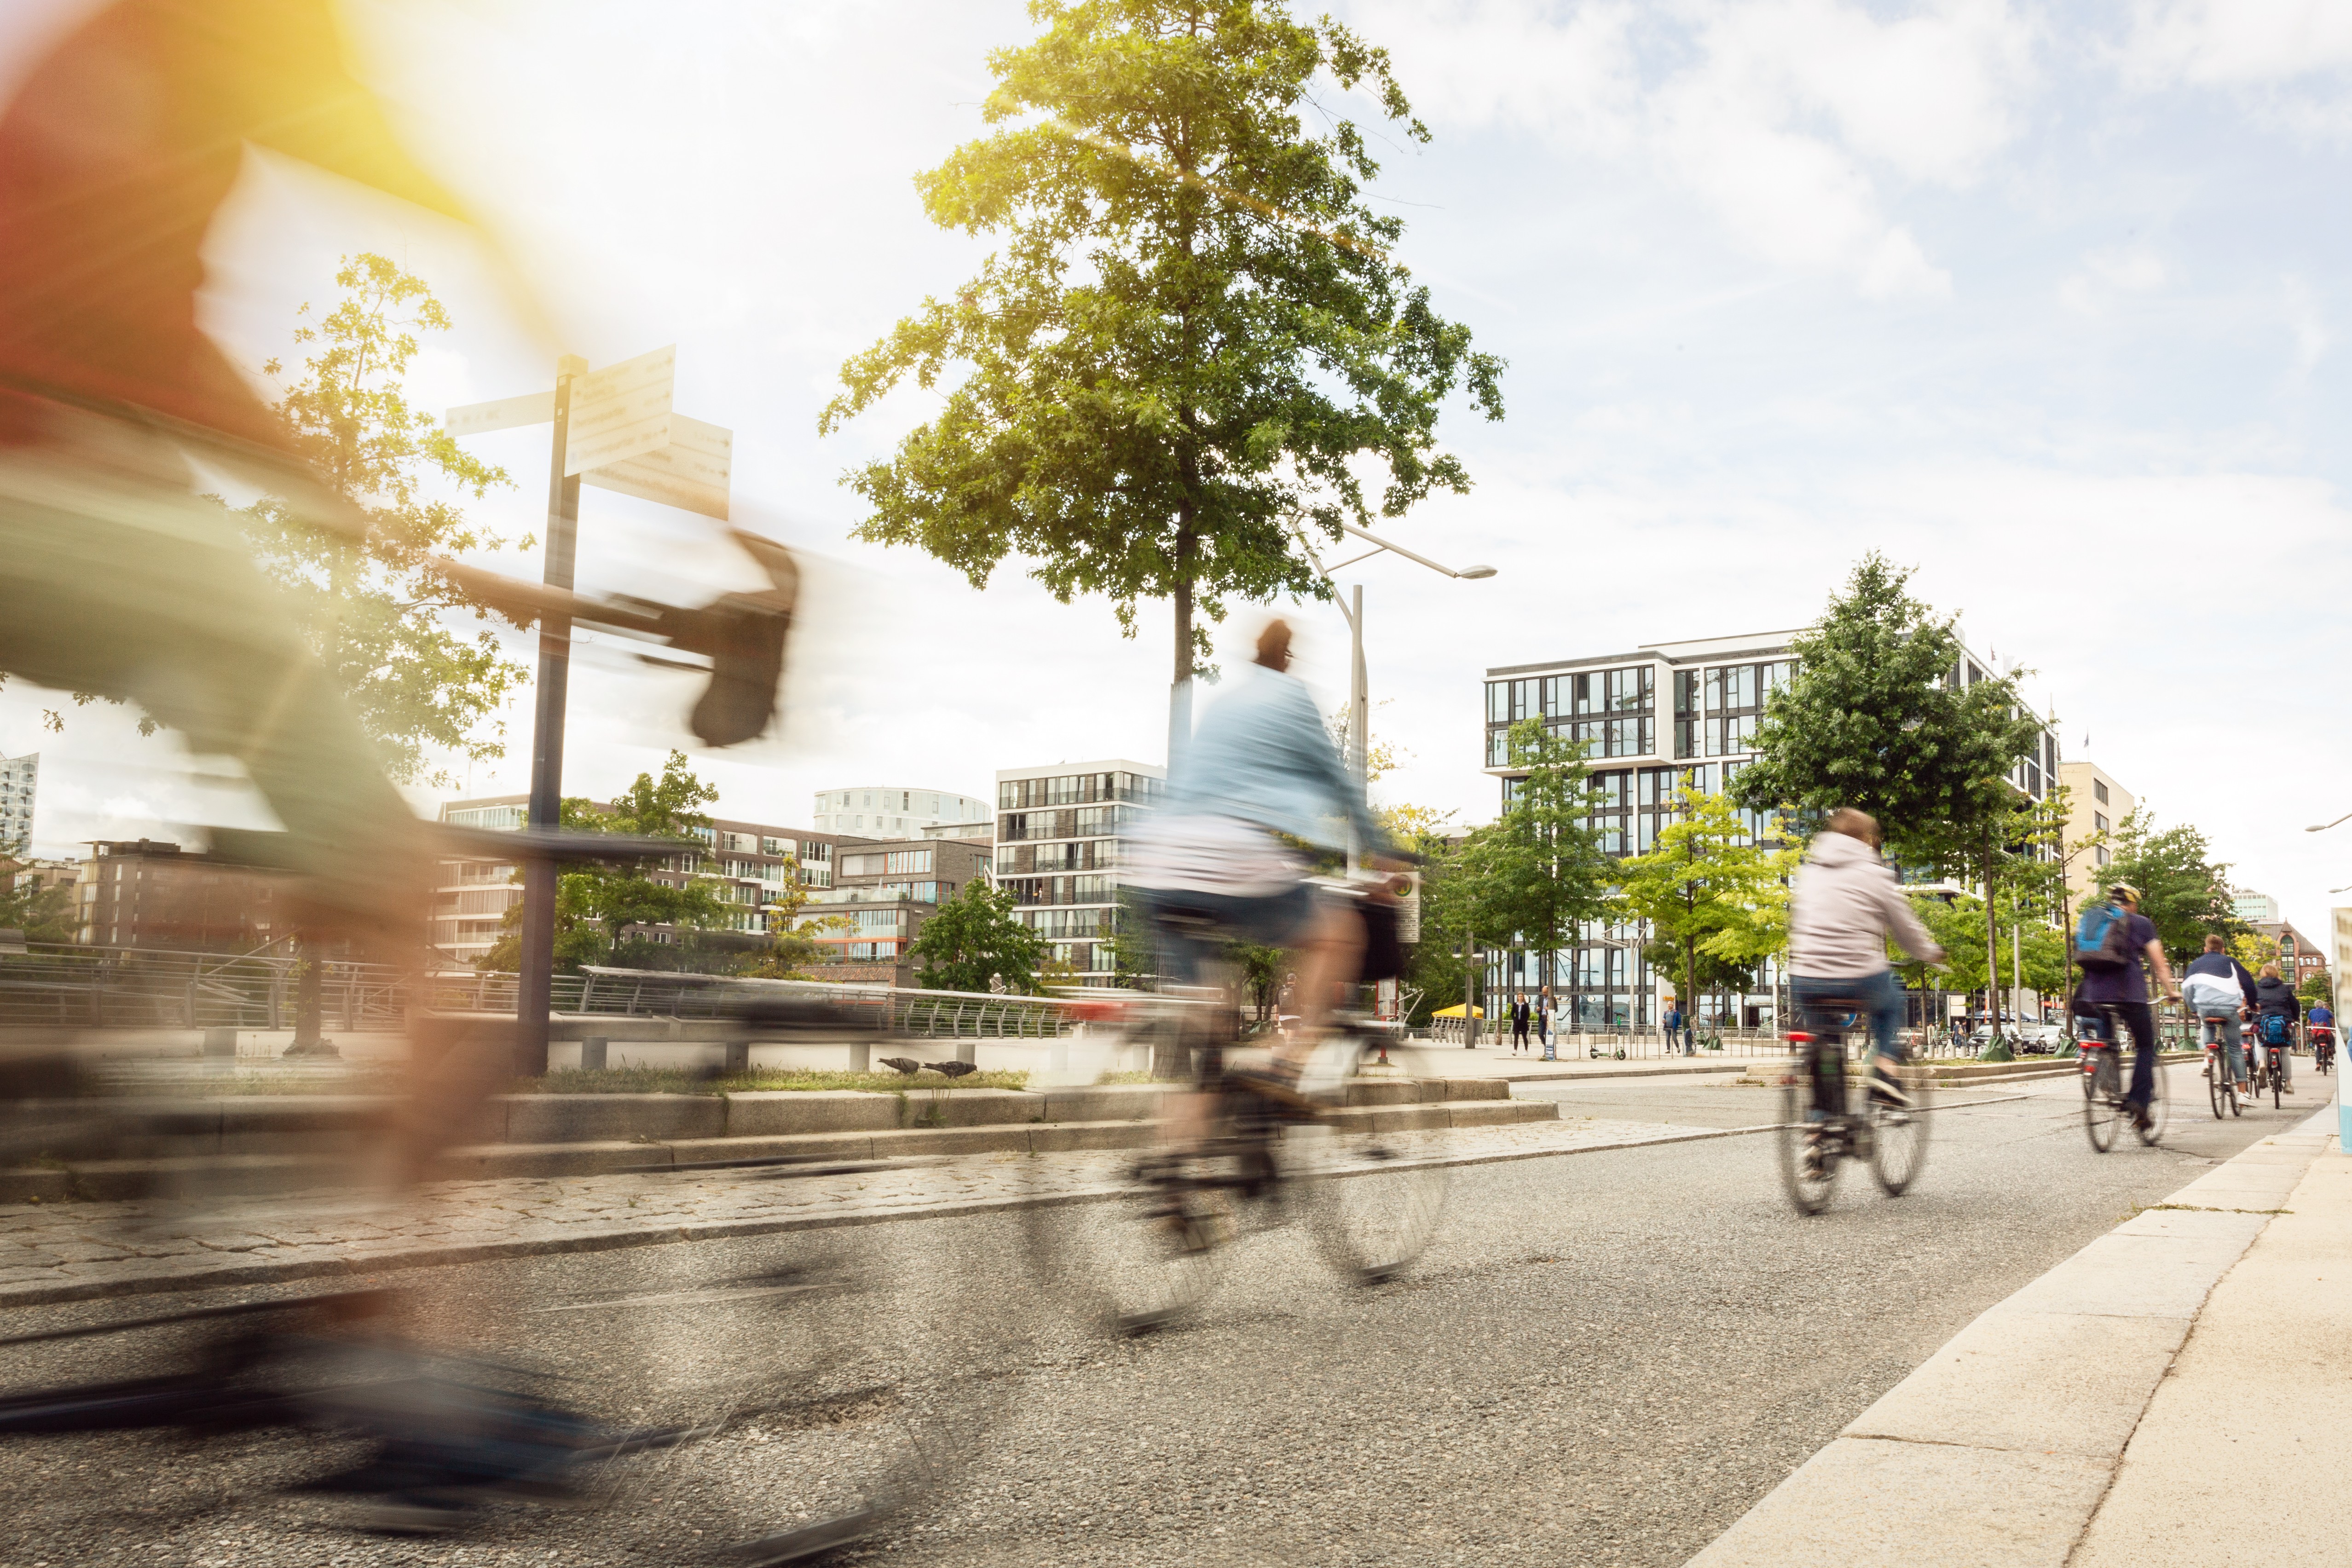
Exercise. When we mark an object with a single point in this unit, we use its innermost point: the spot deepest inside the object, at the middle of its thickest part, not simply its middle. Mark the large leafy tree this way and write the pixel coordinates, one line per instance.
(976, 942)
(387, 625)
(1538, 872)
(1715, 900)
(2184, 892)
(1195, 344)
(42, 914)
(1877, 717)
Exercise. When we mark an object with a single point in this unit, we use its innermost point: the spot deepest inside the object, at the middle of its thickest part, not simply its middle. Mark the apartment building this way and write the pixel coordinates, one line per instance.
(148, 892)
(881, 895)
(2299, 957)
(875, 811)
(1650, 720)
(2095, 804)
(753, 864)
(1060, 835)
(20, 778)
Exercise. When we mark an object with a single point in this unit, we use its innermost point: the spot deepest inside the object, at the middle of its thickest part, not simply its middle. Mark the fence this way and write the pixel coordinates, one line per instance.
(62, 986)
(1632, 1043)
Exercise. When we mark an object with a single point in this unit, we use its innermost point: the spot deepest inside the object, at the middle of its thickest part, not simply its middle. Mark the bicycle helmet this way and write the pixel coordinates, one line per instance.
(2123, 890)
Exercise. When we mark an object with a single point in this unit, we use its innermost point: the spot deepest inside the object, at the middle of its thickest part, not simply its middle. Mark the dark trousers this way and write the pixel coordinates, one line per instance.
(2139, 1018)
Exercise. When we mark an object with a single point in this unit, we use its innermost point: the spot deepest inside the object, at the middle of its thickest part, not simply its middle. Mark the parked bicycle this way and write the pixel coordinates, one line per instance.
(1827, 1117)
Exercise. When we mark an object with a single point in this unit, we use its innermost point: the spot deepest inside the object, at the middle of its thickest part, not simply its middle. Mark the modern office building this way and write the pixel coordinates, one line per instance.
(148, 893)
(1060, 834)
(872, 811)
(882, 892)
(752, 862)
(2095, 803)
(1650, 719)
(20, 778)
(2257, 909)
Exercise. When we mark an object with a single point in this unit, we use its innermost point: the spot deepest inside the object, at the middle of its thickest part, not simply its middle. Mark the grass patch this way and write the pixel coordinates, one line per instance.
(688, 1080)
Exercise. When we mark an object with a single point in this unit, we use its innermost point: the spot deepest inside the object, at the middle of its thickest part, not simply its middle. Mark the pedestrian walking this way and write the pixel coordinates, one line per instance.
(1547, 1021)
(1519, 1019)
(1673, 1026)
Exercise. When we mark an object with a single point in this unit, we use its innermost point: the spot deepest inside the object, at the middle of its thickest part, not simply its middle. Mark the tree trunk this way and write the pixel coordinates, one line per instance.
(310, 998)
(1992, 946)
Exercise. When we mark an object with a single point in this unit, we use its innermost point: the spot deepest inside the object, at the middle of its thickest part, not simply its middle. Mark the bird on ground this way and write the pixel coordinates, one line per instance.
(906, 1064)
(952, 1069)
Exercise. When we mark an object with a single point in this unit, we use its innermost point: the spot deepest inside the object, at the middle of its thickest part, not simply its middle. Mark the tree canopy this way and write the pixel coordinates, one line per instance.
(1877, 717)
(976, 942)
(2182, 891)
(1196, 341)
(376, 615)
(1716, 901)
(1538, 872)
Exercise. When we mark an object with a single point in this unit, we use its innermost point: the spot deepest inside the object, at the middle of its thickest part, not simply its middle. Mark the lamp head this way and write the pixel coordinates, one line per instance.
(1475, 571)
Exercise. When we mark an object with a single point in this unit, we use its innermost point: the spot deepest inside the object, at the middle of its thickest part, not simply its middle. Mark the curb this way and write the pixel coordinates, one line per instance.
(2001, 1447)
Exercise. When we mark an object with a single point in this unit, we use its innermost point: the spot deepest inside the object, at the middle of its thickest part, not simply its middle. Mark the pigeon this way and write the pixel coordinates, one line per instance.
(906, 1064)
(952, 1069)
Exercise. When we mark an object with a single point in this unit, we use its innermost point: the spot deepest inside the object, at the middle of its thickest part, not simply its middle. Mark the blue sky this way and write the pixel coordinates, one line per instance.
(2043, 301)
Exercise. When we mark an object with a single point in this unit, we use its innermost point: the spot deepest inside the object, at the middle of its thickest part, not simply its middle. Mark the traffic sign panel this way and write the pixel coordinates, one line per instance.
(620, 412)
(506, 413)
(691, 472)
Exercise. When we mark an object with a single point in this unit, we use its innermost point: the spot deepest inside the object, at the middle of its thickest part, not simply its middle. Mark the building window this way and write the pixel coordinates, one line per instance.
(2099, 824)
(2099, 792)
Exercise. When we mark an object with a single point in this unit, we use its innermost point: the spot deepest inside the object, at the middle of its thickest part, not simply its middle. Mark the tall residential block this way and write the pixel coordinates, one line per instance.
(2095, 804)
(875, 811)
(1060, 843)
(20, 779)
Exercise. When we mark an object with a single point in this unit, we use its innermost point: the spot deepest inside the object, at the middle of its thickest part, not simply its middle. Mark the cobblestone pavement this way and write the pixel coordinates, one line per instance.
(73, 1252)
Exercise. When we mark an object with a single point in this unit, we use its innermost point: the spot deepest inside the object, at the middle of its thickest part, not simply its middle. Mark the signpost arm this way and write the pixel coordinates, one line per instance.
(534, 987)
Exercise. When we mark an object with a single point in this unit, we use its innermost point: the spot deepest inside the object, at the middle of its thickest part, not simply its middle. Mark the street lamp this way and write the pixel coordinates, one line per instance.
(2323, 827)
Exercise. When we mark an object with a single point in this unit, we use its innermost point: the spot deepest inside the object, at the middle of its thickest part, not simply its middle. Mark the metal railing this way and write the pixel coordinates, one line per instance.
(1631, 1042)
(60, 985)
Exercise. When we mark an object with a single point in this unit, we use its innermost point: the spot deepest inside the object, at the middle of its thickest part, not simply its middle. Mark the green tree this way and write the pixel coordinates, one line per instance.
(377, 613)
(1195, 341)
(42, 914)
(1877, 717)
(1537, 872)
(2184, 892)
(2316, 990)
(1715, 899)
(976, 943)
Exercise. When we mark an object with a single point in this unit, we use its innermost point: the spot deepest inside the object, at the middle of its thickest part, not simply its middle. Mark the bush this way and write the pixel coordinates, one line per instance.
(1997, 1051)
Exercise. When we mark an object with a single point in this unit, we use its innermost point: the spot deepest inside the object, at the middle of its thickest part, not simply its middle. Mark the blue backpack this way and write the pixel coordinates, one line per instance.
(2273, 1030)
(2099, 938)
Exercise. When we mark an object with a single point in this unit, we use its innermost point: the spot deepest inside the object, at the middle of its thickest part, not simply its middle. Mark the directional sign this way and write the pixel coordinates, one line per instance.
(691, 472)
(506, 413)
(620, 412)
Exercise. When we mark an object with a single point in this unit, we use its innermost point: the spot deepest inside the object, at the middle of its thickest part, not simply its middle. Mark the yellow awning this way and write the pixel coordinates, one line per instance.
(1456, 1012)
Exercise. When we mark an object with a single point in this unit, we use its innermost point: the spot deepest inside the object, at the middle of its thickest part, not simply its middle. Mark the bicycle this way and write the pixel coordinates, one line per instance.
(2272, 1075)
(1820, 1126)
(2220, 1087)
(2106, 1104)
(1362, 1167)
(2322, 1049)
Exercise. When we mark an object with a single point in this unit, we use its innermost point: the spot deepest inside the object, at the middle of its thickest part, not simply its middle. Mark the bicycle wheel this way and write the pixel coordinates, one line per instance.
(1808, 1173)
(2278, 1082)
(1898, 1133)
(2102, 1110)
(2160, 1105)
(1373, 1159)
(2214, 1089)
(1153, 1252)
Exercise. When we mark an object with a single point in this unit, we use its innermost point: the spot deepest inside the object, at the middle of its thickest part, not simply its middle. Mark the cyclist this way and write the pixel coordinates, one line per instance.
(1844, 902)
(2276, 999)
(2121, 991)
(2320, 1024)
(1210, 868)
(2218, 989)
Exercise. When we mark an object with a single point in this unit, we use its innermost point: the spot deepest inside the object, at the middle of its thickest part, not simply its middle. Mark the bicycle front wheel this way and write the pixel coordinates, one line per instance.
(2103, 1111)
(1808, 1158)
(1898, 1141)
(1375, 1158)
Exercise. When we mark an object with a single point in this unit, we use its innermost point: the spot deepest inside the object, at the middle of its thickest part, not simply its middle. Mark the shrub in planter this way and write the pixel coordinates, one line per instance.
(1997, 1051)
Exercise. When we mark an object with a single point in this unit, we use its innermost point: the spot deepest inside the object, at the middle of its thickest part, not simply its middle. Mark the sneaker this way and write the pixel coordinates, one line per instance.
(1887, 1090)
(1277, 1083)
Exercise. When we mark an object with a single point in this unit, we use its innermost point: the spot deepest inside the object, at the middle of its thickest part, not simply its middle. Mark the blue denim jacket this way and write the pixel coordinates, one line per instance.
(1260, 753)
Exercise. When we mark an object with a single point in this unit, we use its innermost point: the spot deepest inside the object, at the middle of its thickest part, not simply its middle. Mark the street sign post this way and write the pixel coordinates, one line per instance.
(615, 429)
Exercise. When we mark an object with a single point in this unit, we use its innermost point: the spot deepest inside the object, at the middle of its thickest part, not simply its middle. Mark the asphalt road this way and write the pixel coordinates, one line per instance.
(1605, 1358)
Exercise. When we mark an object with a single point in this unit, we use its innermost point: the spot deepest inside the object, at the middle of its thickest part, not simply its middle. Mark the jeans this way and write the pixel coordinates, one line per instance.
(2232, 1041)
(2140, 1020)
(1880, 997)
(1674, 1037)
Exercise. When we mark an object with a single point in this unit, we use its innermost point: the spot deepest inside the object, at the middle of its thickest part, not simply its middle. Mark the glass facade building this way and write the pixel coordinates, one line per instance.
(1650, 721)
(1060, 836)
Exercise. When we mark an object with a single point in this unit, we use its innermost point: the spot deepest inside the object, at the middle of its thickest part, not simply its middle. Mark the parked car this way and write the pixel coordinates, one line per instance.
(2041, 1039)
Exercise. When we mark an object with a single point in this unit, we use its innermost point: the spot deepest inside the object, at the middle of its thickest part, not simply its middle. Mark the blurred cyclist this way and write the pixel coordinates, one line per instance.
(2218, 988)
(1844, 902)
(1212, 869)
(2275, 999)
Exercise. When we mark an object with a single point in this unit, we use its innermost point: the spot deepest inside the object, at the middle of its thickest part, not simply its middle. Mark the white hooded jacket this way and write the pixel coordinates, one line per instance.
(1842, 903)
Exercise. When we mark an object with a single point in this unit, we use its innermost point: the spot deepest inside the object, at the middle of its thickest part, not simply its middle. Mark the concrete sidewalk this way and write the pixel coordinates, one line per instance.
(2178, 1393)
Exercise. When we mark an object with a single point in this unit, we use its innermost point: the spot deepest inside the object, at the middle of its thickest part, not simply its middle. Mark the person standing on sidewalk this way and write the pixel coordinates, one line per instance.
(1842, 904)
(1547, 1020)
(1518, 1023)
(1673, 1026)
(2121, 988)
(2275, 999)
(2217, 987)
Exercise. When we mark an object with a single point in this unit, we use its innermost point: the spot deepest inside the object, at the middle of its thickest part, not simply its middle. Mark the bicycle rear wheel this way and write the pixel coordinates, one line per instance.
(2101, 1105)
(2214, 1091)
(1807, 1149)
(1147, 1257)
(1373, 1160)
(2159, 1104)
(1898, 1140)
(2278, 1082)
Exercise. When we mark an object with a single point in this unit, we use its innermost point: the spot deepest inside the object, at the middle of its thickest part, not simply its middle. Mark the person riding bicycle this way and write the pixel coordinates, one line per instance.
(2319, 1023)
(1844, 901)
(1210, 869)
(2218, 988)
(2275, 999)
(2120, 988)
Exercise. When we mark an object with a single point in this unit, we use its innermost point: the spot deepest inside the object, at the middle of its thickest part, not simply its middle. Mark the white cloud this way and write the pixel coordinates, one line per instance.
(2237, 42)
(2303, 322)
(1781, 117)
(2107, 273)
